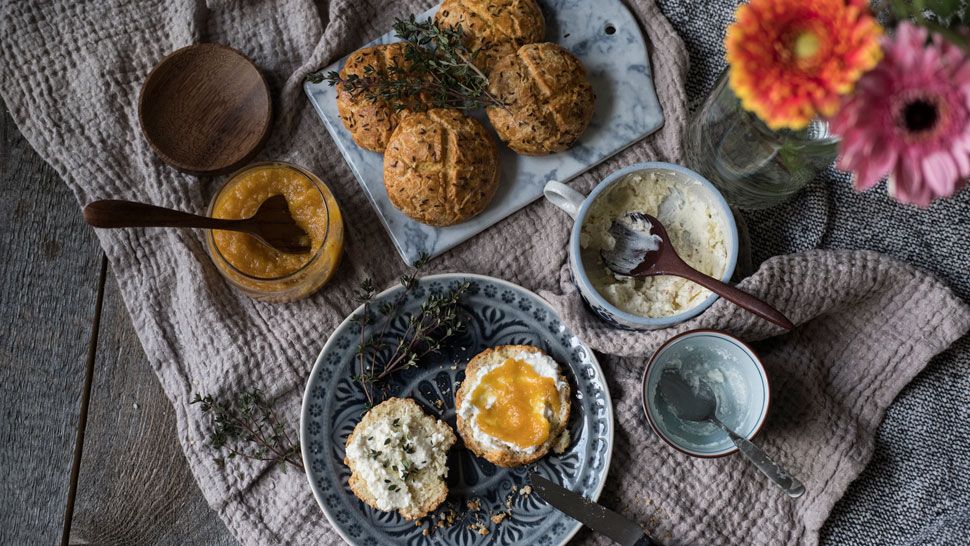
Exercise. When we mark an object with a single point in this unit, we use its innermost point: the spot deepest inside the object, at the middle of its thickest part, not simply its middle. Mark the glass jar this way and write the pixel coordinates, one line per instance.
(263, 272)
(753, 166)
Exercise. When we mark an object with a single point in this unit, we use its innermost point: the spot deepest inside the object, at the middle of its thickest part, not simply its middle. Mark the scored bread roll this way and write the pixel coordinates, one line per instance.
(494, 28)
(548, 99)
(440, 167)
(371, 122)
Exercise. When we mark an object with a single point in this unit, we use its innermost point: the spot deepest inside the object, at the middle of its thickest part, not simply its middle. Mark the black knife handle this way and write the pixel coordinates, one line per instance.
(646, 541)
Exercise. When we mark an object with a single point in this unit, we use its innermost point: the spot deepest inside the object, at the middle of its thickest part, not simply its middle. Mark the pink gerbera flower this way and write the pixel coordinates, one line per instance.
(910, 118)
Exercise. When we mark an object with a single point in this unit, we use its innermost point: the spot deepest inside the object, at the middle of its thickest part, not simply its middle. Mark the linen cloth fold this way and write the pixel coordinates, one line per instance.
(72, 72)
(867, 324)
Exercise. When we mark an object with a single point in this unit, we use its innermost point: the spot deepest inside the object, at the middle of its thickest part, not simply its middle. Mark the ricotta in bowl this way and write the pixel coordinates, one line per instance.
(694, 224)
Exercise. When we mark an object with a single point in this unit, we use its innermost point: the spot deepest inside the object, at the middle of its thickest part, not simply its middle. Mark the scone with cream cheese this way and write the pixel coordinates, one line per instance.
(513, 405)
(397, 456)
(440, 167)
(547, 96)
(494, 28)
(371, 122)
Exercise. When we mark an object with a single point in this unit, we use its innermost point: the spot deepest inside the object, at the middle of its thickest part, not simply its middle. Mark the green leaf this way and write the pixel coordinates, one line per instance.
(901, 9)
(944, 9)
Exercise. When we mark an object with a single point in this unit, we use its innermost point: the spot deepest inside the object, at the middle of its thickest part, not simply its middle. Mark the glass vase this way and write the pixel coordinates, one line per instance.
(753, 166)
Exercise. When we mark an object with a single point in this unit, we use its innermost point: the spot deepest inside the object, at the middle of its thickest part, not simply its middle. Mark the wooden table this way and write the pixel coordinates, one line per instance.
(88, 441)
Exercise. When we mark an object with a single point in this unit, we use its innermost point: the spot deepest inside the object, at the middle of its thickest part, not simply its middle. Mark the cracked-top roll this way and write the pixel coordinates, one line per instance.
(548, 99)
(440, 167)
(371, 122)
(494, 28)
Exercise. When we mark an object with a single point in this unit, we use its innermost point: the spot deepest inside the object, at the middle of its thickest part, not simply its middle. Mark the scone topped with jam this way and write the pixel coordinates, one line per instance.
(371, 122)
(494, 28)
(548, 99)
(440, 167)
(513, 405)
(397, 458)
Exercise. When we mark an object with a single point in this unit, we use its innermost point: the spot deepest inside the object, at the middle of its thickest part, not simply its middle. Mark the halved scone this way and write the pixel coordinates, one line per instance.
(397, 456)
(513, 405)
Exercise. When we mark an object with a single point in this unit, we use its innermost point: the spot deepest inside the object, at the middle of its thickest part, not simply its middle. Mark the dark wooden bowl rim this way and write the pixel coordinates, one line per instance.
(224, 167)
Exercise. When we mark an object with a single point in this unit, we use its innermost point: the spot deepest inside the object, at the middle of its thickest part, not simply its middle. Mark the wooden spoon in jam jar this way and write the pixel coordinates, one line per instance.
(272, 224)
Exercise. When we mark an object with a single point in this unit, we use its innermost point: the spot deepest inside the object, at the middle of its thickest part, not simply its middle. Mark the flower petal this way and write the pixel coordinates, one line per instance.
(787, 86)
(940, 173)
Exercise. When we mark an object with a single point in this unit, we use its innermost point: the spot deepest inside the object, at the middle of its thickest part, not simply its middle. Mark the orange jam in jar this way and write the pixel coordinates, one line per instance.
(259, 270)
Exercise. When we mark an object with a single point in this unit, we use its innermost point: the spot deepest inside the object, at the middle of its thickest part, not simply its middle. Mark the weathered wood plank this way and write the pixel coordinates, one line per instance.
(48, 284)
(135, 486)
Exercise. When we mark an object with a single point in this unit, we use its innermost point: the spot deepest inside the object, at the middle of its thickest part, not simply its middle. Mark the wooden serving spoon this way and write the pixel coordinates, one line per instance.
(643, 249)
(272, 224)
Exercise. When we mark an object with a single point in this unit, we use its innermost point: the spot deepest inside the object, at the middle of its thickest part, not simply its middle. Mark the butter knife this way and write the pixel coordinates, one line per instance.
(592, 515)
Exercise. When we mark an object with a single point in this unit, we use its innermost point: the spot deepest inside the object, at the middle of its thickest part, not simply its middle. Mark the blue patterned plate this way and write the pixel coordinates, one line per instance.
(498, 313)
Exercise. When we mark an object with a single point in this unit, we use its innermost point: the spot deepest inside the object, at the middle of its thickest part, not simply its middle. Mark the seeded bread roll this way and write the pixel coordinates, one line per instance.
(370, 123)
(440, 167)
(508, 455)
(495, 28)
(397, 456)
(548, 97)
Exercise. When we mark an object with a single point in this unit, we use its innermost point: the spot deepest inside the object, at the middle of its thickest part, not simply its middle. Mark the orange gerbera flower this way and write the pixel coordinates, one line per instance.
(792, 59)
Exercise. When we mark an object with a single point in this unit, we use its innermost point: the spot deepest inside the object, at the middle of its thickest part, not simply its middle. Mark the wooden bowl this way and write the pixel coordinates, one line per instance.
(205, 109)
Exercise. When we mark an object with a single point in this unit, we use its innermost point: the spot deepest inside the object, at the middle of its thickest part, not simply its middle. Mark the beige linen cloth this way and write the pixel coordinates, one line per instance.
(71, 76)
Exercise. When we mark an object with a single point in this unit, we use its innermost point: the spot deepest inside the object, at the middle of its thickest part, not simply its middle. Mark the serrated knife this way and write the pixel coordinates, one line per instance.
(592, 515)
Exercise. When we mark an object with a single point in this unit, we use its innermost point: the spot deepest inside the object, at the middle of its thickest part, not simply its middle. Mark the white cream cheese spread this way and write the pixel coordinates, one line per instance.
(391, 451)
(696, 230)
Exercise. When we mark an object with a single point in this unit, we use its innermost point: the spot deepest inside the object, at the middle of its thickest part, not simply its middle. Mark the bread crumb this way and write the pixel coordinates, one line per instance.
(439, 403)
(446, 518)
(526, 490)
(474, 505)
(478, 528)
(498, 518)
(562, 444)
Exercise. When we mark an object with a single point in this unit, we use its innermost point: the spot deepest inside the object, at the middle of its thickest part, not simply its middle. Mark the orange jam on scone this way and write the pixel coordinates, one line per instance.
(515, 403)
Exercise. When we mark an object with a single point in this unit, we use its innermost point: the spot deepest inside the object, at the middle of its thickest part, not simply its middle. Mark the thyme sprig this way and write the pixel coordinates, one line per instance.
(438, 71)
(248, 427)
(380, 353)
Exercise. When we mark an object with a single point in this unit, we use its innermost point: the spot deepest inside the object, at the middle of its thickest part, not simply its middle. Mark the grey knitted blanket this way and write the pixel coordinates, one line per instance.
(71, 75)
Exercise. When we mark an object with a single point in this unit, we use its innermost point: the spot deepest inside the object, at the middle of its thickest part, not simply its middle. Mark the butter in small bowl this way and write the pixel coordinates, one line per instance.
(694, 224)
(699, 223)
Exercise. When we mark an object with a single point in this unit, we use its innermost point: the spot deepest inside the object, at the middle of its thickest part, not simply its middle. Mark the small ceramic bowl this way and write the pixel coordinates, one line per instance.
(578, 205)
(740, 386)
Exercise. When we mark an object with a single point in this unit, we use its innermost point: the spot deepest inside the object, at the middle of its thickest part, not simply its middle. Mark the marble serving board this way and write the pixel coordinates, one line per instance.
(606, 37)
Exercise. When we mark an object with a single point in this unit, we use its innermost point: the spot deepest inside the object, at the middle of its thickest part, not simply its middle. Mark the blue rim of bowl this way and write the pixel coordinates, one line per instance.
(576, 262)
(679, 337)
(305, 406)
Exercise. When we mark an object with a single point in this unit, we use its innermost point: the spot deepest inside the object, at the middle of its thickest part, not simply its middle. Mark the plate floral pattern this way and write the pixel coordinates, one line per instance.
(497, 313)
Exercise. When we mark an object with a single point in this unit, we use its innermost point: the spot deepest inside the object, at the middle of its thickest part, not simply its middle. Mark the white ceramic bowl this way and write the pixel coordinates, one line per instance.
(578, 205)
(743, 405)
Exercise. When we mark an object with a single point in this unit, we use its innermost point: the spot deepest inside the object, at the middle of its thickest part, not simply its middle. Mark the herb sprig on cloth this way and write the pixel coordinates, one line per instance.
(380, 353)
(247, 427)
(438, 72)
